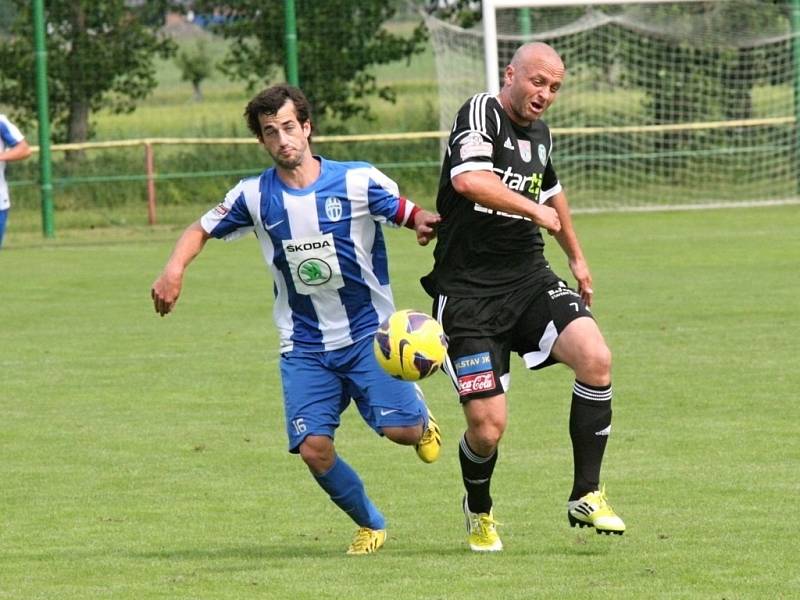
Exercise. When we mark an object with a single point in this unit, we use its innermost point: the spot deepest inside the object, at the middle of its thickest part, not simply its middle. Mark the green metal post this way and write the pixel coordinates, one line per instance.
(525, 23)
(796, 56)
(290, 38)
(45, 166)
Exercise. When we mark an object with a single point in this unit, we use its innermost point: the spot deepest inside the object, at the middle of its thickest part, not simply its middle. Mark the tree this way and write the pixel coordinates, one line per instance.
(7, 14)
(338, 42)
(100, 54)
(195, 67)
(462, 13)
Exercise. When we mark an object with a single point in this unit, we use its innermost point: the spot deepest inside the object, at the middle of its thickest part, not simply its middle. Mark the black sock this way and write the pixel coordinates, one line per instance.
(589, 428)
(476, 472)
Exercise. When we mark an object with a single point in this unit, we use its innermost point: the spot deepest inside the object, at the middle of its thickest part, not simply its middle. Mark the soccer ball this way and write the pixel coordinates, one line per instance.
(410, 345)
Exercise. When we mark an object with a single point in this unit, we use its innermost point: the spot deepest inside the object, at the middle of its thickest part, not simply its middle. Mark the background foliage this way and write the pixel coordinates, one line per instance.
(100, 55)
(338, 42)
(672, 75)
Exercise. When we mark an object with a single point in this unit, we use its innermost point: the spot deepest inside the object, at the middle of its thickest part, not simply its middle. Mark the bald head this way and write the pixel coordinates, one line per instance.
(531, 82)
(536, 52)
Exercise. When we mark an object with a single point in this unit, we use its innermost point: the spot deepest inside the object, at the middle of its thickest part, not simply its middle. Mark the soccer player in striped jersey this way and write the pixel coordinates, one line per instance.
(12, 147)
(318, 223)
(494, 291)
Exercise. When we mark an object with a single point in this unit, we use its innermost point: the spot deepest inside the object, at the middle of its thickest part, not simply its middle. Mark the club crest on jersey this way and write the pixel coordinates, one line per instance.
(524, 150)
(474, 145)
(542, 154)
(333, 208)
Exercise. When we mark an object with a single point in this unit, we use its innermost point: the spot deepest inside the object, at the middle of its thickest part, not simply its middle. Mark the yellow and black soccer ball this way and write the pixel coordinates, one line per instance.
(410, 345)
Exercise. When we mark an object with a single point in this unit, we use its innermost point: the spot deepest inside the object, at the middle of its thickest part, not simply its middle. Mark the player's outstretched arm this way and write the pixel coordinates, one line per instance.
(568, 240)
(167, 287)
(19, 152)
(425, 226)
(486, 189)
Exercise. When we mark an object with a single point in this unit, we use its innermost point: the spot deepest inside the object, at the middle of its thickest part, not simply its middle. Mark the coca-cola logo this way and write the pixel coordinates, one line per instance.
(476, 382)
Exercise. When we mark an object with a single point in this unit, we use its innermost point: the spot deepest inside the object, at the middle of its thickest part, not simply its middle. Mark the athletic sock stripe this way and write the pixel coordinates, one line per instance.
(587, 393)
(471, 455)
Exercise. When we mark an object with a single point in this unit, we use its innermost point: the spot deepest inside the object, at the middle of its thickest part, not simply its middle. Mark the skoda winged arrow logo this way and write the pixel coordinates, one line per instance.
(314, 271)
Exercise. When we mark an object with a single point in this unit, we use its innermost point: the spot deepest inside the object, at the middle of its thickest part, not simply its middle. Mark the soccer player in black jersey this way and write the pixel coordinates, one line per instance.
(495, 293)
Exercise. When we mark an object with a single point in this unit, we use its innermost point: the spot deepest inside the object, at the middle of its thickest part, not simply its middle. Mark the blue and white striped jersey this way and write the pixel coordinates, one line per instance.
(10, 136)
(324, 246)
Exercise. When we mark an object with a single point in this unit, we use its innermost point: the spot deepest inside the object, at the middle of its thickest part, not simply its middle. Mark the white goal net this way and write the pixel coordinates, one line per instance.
(664, 104)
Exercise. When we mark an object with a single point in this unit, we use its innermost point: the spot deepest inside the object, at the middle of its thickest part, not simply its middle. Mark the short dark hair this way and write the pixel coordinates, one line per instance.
(270, 101)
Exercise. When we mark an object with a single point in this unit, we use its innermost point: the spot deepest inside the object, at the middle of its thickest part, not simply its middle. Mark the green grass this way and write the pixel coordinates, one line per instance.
(145, 457)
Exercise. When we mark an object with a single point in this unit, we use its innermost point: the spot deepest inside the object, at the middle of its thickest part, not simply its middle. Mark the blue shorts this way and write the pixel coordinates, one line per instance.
(318, 387)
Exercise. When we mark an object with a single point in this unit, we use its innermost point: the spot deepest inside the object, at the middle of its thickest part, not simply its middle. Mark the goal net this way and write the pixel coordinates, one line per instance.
(664, 104)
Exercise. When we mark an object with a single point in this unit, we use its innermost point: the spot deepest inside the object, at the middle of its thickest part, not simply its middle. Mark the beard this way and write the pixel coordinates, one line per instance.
(289, 162)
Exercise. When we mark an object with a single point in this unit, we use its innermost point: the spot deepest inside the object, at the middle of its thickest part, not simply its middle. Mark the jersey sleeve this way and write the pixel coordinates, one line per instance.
(550, 183)
(386, 205)
(231, 218)
(9, 133)
(471, 143)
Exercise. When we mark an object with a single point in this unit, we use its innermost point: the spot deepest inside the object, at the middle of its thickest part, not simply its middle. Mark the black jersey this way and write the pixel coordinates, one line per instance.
(479, 251)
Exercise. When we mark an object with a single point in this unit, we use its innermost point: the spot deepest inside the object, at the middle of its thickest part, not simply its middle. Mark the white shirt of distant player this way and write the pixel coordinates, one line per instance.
(310, 246)
(10, 136)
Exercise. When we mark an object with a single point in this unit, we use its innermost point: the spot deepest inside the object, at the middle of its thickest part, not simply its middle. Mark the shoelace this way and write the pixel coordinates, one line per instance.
(602, 499)
(598, 500)
(428, 436)
(363, 539)
(486, 523)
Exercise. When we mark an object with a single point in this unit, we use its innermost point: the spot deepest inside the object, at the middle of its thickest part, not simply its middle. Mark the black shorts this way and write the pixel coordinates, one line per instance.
(482, 333)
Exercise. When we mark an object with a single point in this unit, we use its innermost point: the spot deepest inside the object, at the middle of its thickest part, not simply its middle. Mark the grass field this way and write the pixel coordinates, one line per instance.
(145, 457)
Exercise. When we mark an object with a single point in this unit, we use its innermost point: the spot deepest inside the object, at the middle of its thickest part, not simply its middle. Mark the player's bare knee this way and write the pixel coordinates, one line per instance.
(318, 453)
(595, 368)
(485, 438)
(407, 436)
(601, 359)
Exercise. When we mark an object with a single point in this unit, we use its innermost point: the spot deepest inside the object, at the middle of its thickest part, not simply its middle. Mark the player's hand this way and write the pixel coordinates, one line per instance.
(425, 226)
(580, 270)
(165, 292)
(547, 217)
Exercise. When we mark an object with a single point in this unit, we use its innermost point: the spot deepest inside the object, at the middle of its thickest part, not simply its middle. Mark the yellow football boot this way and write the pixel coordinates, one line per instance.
(481, 531)
(367, 541)
(593, 510)
(430, 444)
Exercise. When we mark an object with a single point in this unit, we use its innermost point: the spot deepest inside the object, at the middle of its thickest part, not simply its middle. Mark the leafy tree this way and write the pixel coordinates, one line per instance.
(195, 67)
(7, 14)
(463, 13)
(338, 42)
(100, 54)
